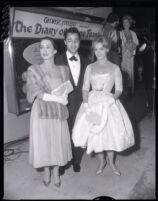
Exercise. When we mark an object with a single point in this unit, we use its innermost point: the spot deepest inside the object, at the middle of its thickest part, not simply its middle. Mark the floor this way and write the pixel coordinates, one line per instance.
(137, 166)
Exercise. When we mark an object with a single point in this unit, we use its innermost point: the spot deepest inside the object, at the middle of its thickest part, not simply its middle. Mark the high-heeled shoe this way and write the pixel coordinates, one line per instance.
(46, 183)
(116, 171)
(47, 176)
(58, 182)
(100, 170)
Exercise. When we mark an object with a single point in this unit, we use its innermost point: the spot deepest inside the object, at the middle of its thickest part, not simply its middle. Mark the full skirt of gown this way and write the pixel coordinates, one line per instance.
(106, 127)
(49, 142)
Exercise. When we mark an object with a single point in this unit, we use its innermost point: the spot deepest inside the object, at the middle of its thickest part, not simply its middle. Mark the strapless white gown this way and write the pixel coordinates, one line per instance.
(106, 126)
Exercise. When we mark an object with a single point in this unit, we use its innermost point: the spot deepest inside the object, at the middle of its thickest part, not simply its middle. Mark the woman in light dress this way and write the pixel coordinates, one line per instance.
(129, 44)
(102, 123)
(47, 87)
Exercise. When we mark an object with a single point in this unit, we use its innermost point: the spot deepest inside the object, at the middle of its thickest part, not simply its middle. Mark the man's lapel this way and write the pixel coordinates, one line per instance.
(81, 72)
(67, 64)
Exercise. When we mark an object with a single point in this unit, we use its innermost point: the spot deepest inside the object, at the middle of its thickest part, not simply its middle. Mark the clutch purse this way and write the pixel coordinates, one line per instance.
(65, 87)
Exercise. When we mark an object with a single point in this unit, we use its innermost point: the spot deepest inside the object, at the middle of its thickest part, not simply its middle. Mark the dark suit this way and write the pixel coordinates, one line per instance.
(148, 74)
(75, 97)
(114, 38)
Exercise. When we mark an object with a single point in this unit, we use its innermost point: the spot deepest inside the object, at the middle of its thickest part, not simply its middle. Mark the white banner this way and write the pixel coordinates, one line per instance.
(33, 25)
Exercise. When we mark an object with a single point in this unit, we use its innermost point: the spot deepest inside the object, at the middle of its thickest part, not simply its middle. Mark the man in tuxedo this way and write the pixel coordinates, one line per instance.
(77, 65)
(110, 31)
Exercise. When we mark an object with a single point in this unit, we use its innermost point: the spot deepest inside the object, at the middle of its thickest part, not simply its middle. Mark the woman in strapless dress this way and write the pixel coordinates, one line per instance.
(102, 123)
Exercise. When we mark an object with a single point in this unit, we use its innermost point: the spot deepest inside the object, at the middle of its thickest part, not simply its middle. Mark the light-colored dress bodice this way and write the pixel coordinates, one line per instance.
(99, 82)
(129, 44)
(103, 82)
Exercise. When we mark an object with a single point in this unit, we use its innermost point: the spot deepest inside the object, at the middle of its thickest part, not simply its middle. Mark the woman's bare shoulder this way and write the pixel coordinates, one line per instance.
(113, 67)
(116, 68)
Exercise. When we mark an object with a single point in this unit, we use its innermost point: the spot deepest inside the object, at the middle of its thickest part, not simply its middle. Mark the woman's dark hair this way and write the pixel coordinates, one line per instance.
(72, 30)
(112, 17)
(50, 39)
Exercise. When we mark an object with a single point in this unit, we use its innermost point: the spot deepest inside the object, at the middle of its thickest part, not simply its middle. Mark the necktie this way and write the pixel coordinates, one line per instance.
(73, 58)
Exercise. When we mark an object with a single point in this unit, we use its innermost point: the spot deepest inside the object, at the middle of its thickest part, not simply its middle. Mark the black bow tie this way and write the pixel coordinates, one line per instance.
(73, 58)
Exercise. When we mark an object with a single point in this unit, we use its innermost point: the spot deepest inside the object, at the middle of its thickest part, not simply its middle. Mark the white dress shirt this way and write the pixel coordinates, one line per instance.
(74, 66)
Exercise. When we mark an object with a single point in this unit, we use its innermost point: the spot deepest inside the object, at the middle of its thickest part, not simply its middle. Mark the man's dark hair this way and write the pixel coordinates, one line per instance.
(71, 30)
(112, 17)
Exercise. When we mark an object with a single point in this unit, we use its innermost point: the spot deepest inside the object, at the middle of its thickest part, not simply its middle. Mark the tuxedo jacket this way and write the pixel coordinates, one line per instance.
(75, 97)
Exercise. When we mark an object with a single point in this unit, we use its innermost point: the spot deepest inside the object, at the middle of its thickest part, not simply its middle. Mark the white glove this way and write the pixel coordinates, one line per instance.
(59, 99)
(64, 98)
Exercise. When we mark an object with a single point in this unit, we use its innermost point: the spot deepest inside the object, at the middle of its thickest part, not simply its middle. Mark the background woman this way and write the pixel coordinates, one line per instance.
(129, 44)
(102, 124)
(47, 88)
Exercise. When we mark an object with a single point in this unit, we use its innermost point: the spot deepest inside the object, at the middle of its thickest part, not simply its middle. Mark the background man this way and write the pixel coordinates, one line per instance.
(110, 31)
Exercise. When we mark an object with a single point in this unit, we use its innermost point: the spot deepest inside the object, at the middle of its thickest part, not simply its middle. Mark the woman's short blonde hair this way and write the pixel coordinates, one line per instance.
(129, 18)
(101, 39)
